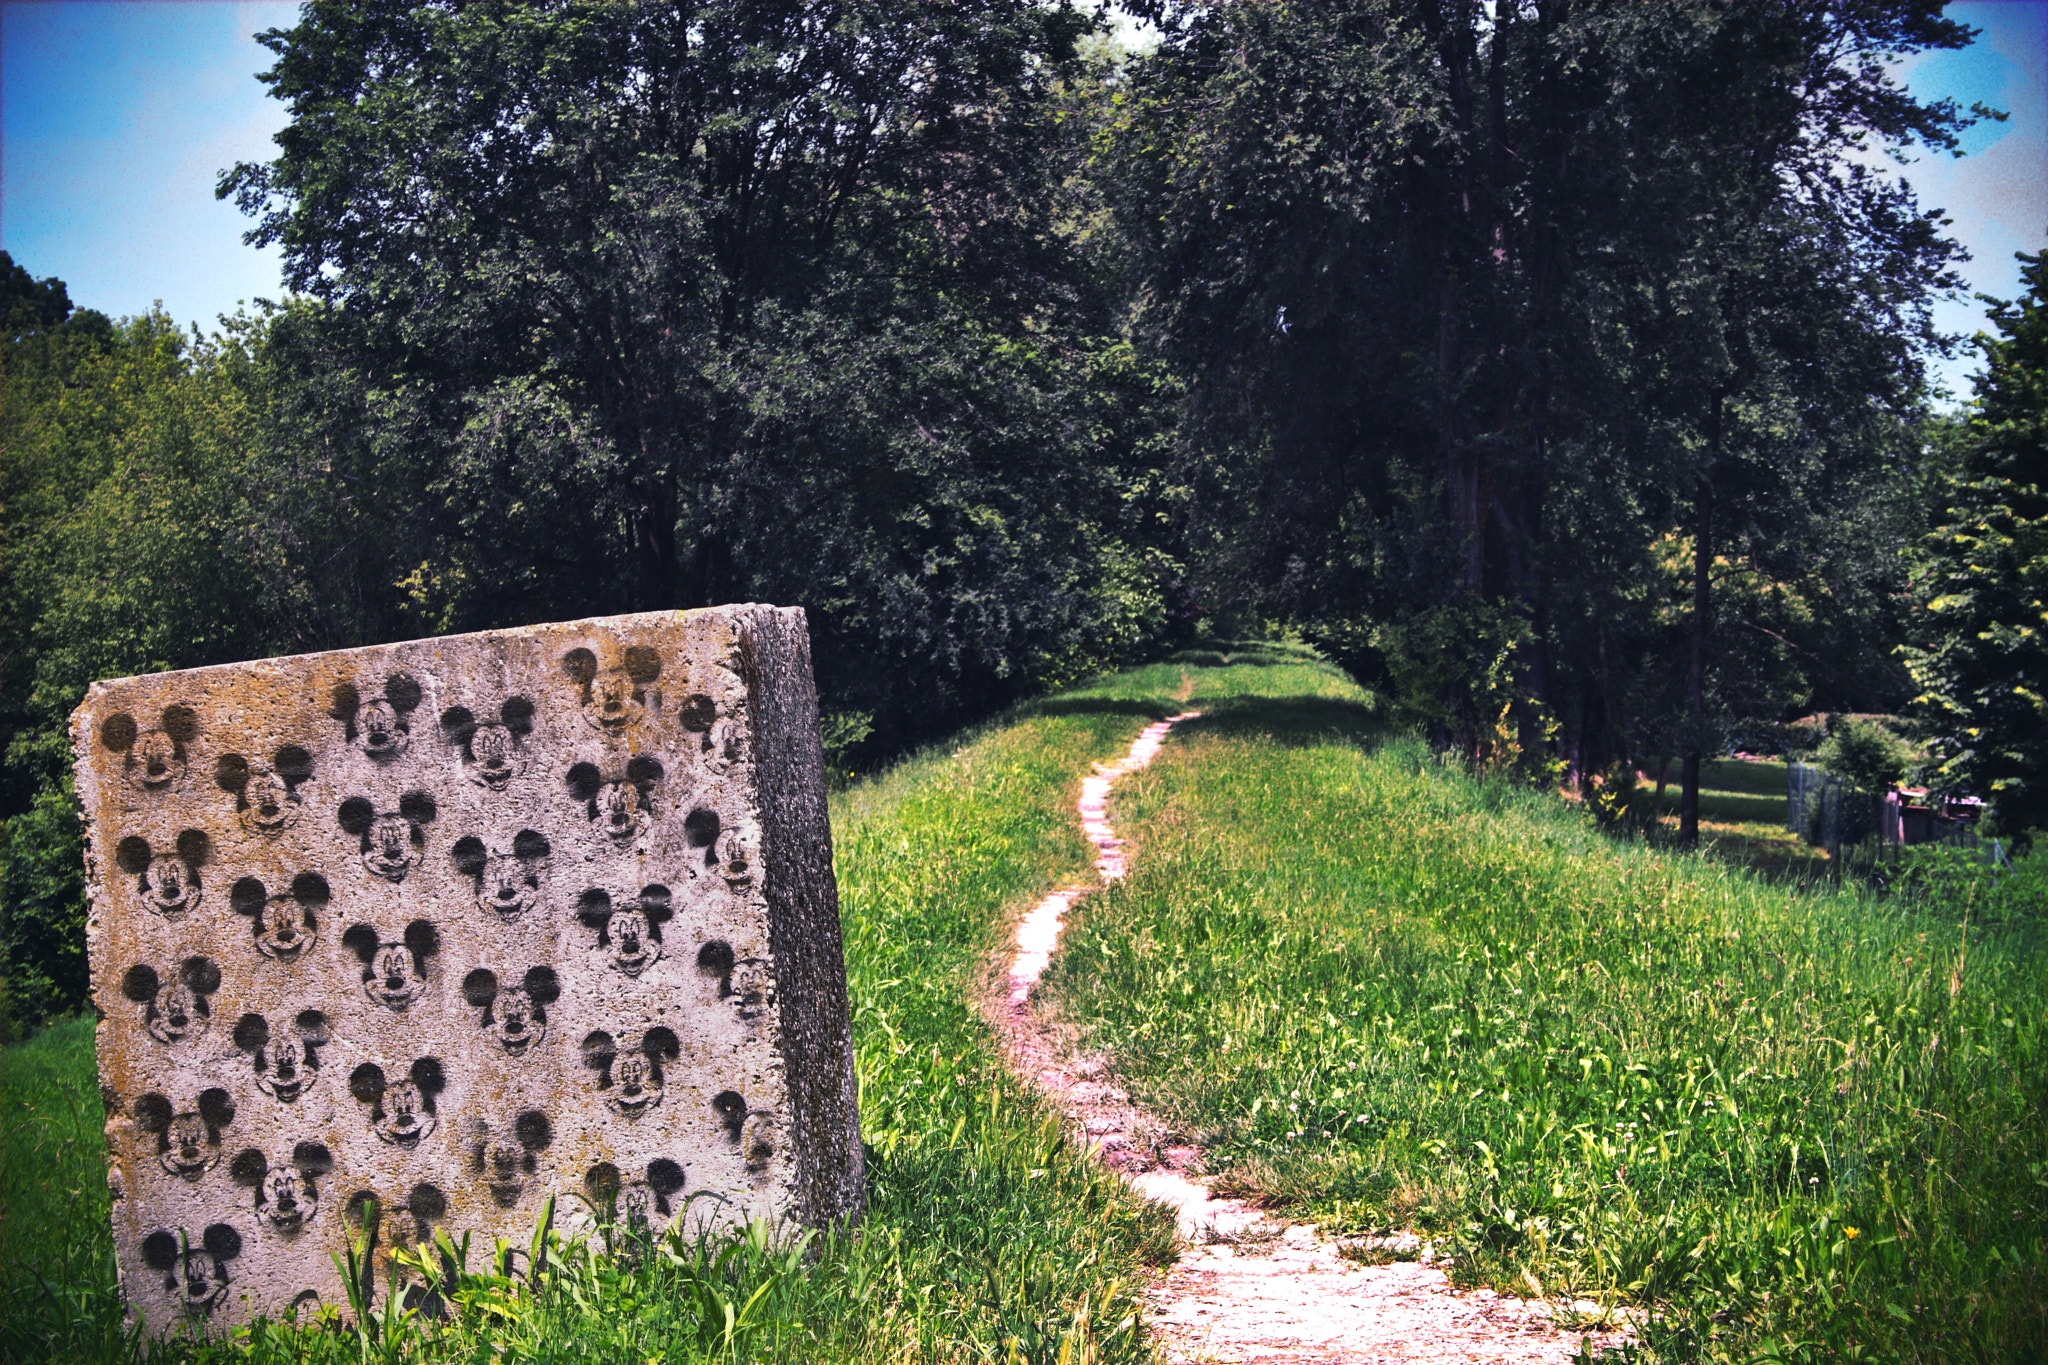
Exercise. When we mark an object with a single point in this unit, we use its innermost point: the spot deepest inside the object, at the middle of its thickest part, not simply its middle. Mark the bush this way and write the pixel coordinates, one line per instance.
(1863, 752)
(42, 909)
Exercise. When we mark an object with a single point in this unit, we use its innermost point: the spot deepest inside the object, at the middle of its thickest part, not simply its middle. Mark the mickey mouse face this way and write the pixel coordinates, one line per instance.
(630, 1080)
(286, 1196)
(755, 1133)
(639, 1206)
(187, 1143)
(613, 698)
(154, 760)
(174, 1007)
(287, 1062)
(196, 1274)
(622, 803)
(394, 972)
(401, 1111)
(725, 856)
(381, 726)
(284, 926)
(423, 1206)
(716, 737)
(391, 841)
(266, 799)
(628, 929)
(506, 1158)
(166, 880)
(507, 884)
(516, 1015)
(491, 755)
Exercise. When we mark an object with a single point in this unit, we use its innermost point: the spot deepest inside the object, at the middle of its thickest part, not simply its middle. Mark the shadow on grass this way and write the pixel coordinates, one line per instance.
(1291, 721)
(1092, 706)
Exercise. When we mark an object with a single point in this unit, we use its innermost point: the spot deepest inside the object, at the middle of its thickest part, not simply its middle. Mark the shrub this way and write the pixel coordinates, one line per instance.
(1863, 752)
(42, 908)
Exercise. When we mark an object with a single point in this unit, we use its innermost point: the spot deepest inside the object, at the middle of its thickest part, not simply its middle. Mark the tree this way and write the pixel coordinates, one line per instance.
(1481, 304)
(1980, 651)
(626, 306)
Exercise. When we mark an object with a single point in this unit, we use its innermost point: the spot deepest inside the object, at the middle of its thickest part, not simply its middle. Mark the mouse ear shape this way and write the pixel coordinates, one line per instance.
(426, 1202)
(152, 1112)
(715, 958)
(364, 1208)
(313, 1158)
(701, 827)
(458, 724)
(697, 712)
(642, 664)
(222, 1242)
(517, 715)
(139, 983)
(247, 896)
(480, 987)
(361, 940)
(193, 846)
(664, 1176)
(601, 1183)
(469, 855)
(201, 974)
(231, 771)
(403, 692)
(598, 1050)
(594, 907)
(357, 814)
(216, 1107)
(428, 1076)
(248, 1168)
(160, 1250)
(344, 702)
(312, 1026)
(542, 985)
(181, 723)
(530, 844)
(292, 763)
(584, 781)
(581, 665)
(252, 1032)
(418, 807)
(533, 1130)
(656, 904)
(643, 770)
(117, 732)
(310, 889)
(132, 854)
(366, 1082)
(422, 938)
(661, 1044)
(731, 1107)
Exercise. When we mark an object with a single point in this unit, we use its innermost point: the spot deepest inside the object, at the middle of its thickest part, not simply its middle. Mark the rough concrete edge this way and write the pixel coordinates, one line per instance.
(816, 1034)
(97, 981)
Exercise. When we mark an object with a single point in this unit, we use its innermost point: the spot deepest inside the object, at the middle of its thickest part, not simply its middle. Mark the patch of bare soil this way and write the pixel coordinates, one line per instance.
(1252, 1285)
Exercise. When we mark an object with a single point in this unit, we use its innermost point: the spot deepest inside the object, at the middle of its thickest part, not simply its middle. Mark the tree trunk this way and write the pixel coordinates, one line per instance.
(1702, 630)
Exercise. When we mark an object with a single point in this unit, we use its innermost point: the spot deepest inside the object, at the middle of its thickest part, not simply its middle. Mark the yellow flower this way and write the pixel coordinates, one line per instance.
(1852, 1233)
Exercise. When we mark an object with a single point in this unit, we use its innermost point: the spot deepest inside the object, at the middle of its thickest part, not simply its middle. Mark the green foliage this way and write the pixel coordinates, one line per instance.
(749, 300)
(1864, 751)
(1788, 1124)
(1980, 648)
(42, 910)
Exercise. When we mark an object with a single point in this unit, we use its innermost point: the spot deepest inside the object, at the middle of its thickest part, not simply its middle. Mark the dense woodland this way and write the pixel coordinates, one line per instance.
(1556, 367)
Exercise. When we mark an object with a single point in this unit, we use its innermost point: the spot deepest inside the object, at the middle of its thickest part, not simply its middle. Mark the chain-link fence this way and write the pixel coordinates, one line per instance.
(1828, 811)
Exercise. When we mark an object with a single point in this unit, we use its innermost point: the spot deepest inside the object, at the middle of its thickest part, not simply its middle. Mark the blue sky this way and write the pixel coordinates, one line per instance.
(116, 117)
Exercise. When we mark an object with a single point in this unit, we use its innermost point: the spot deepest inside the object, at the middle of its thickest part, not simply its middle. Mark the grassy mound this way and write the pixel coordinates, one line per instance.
(988, 1236)
(1795, 1122)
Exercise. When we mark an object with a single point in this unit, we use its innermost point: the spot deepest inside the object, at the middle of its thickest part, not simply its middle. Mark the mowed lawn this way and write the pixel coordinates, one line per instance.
(1785, 1122)
(1742, 817)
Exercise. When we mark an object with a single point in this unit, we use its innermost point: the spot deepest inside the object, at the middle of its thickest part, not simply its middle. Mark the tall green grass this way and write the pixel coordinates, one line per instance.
(1790, 1123)
(988, 1236)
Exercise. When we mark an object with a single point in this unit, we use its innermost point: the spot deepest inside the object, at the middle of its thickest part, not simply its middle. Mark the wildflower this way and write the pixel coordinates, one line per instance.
(1852, 1233)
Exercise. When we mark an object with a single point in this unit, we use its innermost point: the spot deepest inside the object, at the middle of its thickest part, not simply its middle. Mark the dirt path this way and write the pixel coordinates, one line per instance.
(1254, 1286)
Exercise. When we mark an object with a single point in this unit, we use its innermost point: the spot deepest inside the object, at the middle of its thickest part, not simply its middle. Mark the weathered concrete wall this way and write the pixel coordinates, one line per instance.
(455, 925)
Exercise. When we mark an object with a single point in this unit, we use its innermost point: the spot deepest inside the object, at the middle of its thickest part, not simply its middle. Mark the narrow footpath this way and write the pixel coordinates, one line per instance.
(1251, 1285)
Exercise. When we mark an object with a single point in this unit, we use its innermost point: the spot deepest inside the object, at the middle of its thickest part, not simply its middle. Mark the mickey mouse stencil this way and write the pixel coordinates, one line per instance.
(153, 759)
(379, 725)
